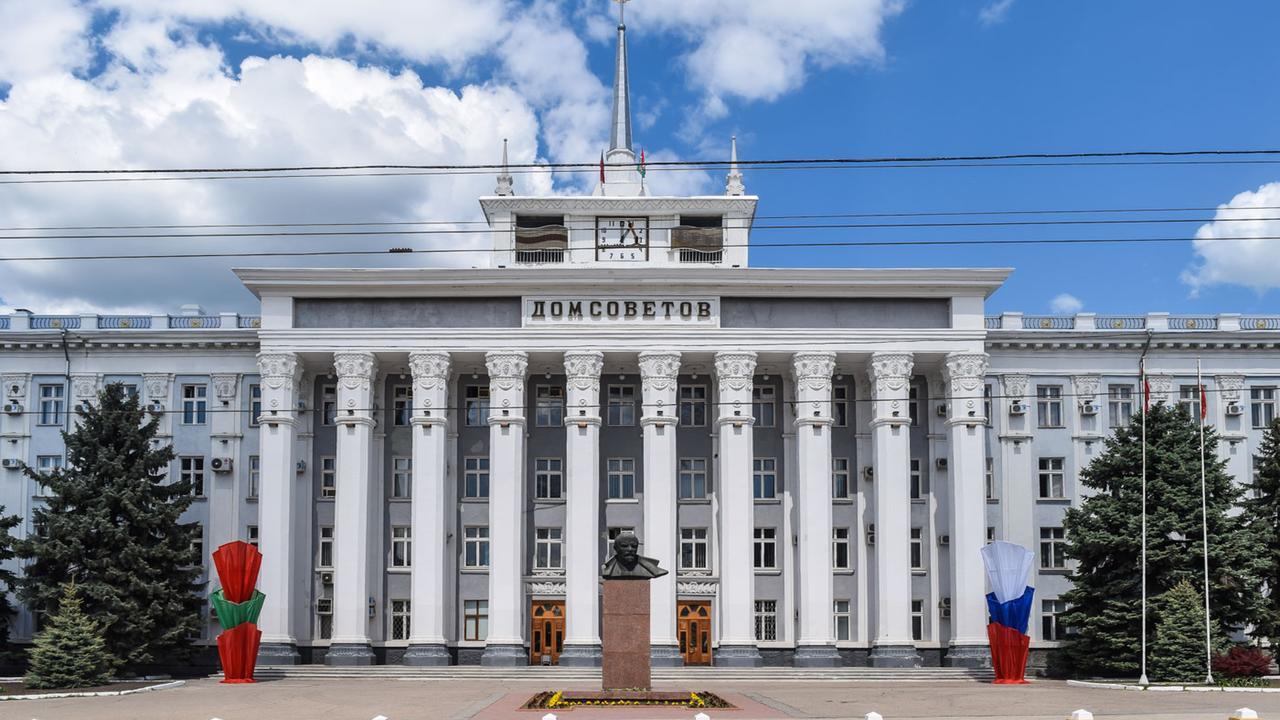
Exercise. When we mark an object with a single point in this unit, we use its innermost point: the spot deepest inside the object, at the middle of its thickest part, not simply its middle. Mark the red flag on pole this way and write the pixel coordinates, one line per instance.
(1146, 388)
(1204, 404)
(602, 167)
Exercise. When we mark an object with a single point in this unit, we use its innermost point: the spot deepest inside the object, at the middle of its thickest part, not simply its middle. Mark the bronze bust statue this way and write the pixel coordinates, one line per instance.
(627, 563)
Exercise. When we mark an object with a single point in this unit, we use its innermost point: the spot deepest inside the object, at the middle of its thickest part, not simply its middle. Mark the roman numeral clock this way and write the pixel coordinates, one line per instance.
(622, 238)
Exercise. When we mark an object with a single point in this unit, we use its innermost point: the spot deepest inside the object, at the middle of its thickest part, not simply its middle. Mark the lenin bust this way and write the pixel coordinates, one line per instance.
(627, 563)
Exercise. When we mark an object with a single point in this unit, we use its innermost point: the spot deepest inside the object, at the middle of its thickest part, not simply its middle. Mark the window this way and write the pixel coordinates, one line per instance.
(622, 478)
(840, 405)
(324, 554)
(51, 404)
(548, 549)
(548, 478)
(766, 546)
(1053, 546)
(991, 534)
(476, 403)
(917, 549)
(475, 619)
(255, 404)
(913, 405)
(401, 405)
(693, 405)
(1049, 406)
(476, 547)
(130, 390)
(399, 619)
(197, 546)
(622, 405)
(1049, 627)
(766, 620)
(251, 535)
(840, 556)
(549, 406)
(475, 477)
(328, 477)
(46, 464)
(842, 620)
(693, 549)
(840, 478)
(989, 478)
(1262, 406)
(917, 619)
(693, 478)
(1119, 405)
(1051, 479)
(765, 478)
(918, 487)
(401, 546)
(195, 406)
(986, 403)
(1189, 400)
(255, 477)
(328, 404)
(324, 618)
(614, 532)
(401, 478)
(191, 470)
(763, 405)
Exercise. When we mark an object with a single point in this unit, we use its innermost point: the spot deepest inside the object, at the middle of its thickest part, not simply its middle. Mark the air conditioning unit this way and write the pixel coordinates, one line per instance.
(220, 464)
(156, 408)
(301, 466)
(944, 608)
(1088, 408)
(1235, 408)
(871, 533)
(10, 463)
(869, 473)
(326, 578)
(944, 540)
(1017, 408)
(81, 408)
(941, 463)
(942, 409)
(13, 408)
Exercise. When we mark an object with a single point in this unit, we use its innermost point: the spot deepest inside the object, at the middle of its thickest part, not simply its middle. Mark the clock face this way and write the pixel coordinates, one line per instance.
(622, 238)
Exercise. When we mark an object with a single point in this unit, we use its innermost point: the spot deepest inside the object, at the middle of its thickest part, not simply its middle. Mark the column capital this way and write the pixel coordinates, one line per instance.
(813, 370)
(225, 386)
(1229, 387)
(736, 369)
(890, 371)
(14, 385)
(1014, 386)
(965, 372)
(659, 370)
(1161, 387)
(84, 387)
(582, 369)
(506, 367)
(353, 368)
(157, 386)
(277, 369)
(430, 370)
(1086, 387)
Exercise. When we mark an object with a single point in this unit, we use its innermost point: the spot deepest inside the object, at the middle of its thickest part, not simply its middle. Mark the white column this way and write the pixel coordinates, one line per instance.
(966, 426)
(350, 645)
(430, 557)
(735, 373)
(582, 508)
(659, 373)
(1017, 499)
(816, 646)
(891, 450)
(223, 489)
(279, 373)
(505, 645)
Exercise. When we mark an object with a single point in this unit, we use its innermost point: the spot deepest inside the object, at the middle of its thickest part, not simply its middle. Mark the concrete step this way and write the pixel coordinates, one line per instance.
(692, 674)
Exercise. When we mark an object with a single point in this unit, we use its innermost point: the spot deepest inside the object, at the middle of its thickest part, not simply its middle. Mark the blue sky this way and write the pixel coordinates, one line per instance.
(147, 83)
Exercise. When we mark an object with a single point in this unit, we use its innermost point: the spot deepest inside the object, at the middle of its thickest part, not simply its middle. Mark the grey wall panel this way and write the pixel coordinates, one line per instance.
(834, 313)
(488, 312)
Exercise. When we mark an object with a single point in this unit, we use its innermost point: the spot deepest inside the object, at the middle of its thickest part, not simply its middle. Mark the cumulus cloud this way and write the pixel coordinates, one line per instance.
(1066, 304)
(995, 12)
(1250, 261)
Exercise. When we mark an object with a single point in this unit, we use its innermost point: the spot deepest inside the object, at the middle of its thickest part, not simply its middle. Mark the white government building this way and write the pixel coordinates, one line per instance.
(432, 461)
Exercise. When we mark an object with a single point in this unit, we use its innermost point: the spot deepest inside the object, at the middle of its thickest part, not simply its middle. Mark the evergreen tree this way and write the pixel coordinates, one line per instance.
(112, 524)
(8, 581)
(1262, 513)
(1104, 537)
(69, 651)
(1177, 649)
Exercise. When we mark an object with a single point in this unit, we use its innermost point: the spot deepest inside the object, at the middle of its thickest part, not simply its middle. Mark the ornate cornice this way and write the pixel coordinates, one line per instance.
(890, 372)
(813, 370)
(694, 587)
(1086, 387)
(659, 371)
(225, 386)
(743, 204)
(1014, 386)
(430, 370)
(1230, 387)
(547, 588)
(736, 369)
(278, 370)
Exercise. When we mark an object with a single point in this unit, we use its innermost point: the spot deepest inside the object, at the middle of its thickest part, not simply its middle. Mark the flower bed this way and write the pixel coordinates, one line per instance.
(569, 699)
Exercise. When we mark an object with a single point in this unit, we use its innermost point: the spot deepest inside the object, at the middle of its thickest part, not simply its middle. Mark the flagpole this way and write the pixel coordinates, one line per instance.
(1204, 532)
(1146, 407)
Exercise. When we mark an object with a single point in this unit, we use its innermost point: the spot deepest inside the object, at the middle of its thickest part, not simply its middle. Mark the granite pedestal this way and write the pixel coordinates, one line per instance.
(625, 635)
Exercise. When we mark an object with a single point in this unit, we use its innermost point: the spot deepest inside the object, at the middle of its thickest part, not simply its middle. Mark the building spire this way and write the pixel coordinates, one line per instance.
(620, 132)
(733, 181)
(506, 184)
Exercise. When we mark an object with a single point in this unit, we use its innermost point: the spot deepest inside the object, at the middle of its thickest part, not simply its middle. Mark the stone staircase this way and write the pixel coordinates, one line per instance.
(685, 675)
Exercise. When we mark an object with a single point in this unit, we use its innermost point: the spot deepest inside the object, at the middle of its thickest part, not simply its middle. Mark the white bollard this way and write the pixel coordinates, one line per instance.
(874, 716)
(1081, 714)
(380, 717)
(1244, 714)
(549, 716)
(702, 716)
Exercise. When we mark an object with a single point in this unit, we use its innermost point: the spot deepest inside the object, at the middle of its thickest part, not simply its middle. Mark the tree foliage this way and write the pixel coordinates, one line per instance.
(1177, 649)
(69, 651)
(1262, 513)
(8, 580)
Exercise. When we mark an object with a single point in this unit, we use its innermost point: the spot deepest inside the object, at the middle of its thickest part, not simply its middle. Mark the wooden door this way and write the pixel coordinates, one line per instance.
(546, 636)
(693, 625)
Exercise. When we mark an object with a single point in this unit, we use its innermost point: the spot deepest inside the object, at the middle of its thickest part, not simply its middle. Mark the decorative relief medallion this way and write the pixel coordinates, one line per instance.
(966, 371)
(355, 370)
(278, 369)
(890, 373)
(1230, 387)
(430, 370)
(84, 387)
(15, 386)
(694, 587)
(507, 368)
(813, 370)
(658, 371)
(1086, 387)
(224, 386)
(1014, 387)
(736, 370)
(157, 386)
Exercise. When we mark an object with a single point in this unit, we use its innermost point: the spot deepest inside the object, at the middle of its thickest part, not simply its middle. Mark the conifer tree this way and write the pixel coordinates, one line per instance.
(8, 581)
(1262, 513)
(69, 651)
(1177, 648)
(112, 524)
(1104, 538)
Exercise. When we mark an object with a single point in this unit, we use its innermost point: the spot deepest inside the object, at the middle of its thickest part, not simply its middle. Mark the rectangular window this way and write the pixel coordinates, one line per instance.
(399, 619)
(840, 405)
(842, 620)
(913, 405)
(251, 535)
(986, 403)
(401, 546)
(324, 618)
(51, 404)
(693, 405)
(621, 478)
(46, 464)
(548, 478)
(764, 405)
(1049, 612)
(1051, 485)
(475, 477)
(1049, 406)
(693, 478)
(840, 555)
(1053, 546)
(918, 483)
(475, 619)
(1262, 406)
(764, 478)
(917, 549)
(476, 404)
(622, 405)
(476, 546)
(328, 477)
(693, 549)
(255, 476)
(324, 554)
(766, 547)
(401, 405)
(195, 405)
(840, 478)
(917, 619)
(328, 404)
(549, 406)
(255, 404)
(1189, 400)
(1119, 405)
(401, 478)
(191, 469)
(989, 478)
(548, 549)
(766, 620)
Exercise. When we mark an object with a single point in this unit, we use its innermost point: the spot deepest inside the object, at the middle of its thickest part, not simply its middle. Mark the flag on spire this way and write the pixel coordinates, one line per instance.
(601, 167)
(640, 167)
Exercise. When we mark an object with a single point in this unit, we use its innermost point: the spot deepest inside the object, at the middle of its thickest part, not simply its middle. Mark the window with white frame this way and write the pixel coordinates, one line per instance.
(1049, 406)
(842, 620)
(401, 405)
(913, 405)
(840, 405)
(324, 553)
(130, 390)
(693, 405)
(1262, 406)
(766, 548)
(476, 405)
(917, 549)
(764, 405)
(840, 478)
(1050, 629)
(841, 556)
(251, 534)
(191, 469)
(255, 404)
(693, 478)
(46, 464)
(1053, 548)
(1189, 400)
(401, 546)
(986, 403)
(764, 478)
(1051, 483)
(328, 477)
(255, 477)
(917, 620)
(52, 399)
(400, 619)
(548, 546)
(195, 404)
(917, 483)
(475, 620)
(622, 405)
(989, 478)
(401, 478)
(766, 620)
(475, 546)
(621, 476)
(693, 549)
(548, 406)
(1119, 405)
(328, 404)
(548, 478)
(475, 477)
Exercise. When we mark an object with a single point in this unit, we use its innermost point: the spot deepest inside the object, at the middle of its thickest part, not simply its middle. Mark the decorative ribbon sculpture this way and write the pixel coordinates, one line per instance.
(1008, 566)
(237, 605)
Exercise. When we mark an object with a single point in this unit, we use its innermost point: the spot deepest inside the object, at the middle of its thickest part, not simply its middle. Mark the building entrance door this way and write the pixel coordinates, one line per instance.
(693, 623)
(546, 634)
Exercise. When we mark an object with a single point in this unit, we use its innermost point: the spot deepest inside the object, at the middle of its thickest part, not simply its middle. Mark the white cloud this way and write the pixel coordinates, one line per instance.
(37, 38)
(995, 12)
(1065, 304)
(1250, 261)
